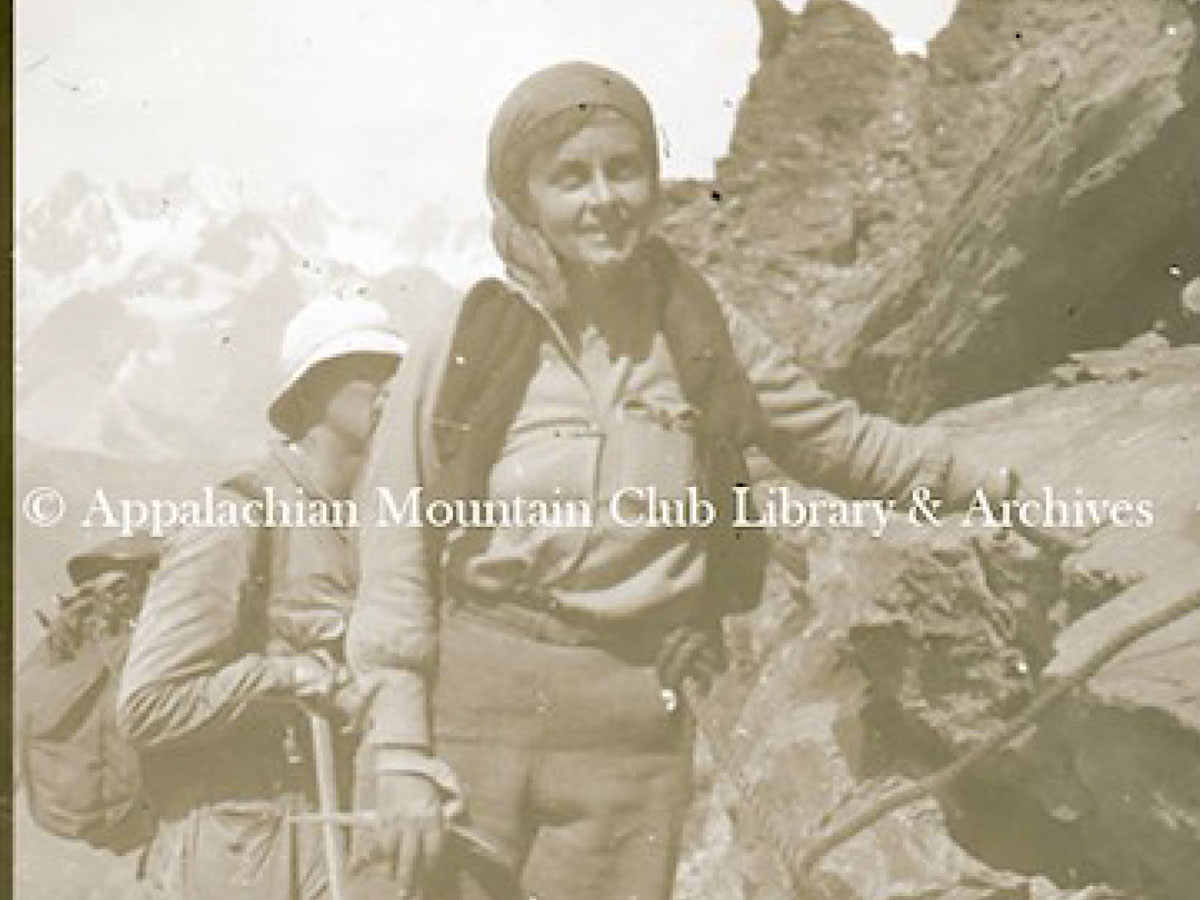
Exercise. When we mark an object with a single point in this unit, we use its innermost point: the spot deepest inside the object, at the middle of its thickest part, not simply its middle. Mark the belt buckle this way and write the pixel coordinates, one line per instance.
(537, 597)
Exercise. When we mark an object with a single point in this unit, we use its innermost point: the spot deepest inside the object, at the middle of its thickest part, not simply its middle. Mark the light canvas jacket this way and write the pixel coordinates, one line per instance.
(601, 413)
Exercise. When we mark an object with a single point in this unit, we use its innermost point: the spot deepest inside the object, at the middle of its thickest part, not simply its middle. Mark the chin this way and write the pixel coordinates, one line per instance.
(607, 262)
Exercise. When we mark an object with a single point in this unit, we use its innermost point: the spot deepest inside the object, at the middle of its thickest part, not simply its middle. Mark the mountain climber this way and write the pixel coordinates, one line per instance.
(243, 625)
(523, 668)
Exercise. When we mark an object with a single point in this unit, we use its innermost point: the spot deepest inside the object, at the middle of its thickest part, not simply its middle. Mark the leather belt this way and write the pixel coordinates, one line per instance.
(636, 640)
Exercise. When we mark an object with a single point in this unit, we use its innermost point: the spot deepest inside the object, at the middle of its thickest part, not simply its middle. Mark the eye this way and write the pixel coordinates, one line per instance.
(626, 167)
(569, 176)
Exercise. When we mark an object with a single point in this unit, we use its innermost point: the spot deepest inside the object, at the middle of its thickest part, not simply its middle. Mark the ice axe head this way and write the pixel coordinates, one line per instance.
(468, 851)
(490, 867)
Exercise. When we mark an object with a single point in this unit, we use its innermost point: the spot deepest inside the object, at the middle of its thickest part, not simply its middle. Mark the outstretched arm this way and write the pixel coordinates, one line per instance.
(828, 442)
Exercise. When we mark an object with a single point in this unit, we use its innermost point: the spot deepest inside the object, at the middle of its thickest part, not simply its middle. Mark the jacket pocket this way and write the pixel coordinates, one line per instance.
(651, 446)
(240, 850)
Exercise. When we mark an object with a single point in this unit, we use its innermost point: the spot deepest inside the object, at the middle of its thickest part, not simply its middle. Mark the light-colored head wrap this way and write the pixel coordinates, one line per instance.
(523, 124)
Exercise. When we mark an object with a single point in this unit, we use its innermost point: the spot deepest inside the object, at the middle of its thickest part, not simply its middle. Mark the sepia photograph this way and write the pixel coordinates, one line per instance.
(639, 450)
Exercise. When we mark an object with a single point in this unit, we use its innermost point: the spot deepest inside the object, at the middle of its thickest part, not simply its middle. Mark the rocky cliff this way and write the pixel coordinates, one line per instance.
(876, 661)
(1008, 224)
(929, 232)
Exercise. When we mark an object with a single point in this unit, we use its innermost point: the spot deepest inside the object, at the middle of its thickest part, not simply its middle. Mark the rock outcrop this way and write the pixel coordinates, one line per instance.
(1012, 223)
(882, 659)
(932, 232)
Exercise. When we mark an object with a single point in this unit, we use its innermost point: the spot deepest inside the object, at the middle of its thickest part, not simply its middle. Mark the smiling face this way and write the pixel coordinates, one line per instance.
(592, 194)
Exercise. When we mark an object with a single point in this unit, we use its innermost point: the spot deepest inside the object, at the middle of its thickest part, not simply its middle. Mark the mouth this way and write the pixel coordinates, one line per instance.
(615, 235)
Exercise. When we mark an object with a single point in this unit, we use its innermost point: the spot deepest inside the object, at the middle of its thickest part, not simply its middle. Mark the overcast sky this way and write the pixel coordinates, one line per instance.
(382, 106)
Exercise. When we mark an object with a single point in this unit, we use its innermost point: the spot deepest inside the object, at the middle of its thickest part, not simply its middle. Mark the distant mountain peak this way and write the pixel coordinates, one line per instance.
(149, 319)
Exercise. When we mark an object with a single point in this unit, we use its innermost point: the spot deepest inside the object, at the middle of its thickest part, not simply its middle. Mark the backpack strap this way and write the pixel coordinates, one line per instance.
(255, 590)
(493, 356)
(697, 335)
(714, 380)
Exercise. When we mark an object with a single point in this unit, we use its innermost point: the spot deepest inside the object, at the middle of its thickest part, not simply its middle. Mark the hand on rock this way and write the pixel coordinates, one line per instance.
(1056, 540)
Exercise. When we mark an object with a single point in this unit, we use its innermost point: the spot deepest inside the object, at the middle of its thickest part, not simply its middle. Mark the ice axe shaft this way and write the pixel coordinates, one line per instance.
(338, 819)
(322, 737)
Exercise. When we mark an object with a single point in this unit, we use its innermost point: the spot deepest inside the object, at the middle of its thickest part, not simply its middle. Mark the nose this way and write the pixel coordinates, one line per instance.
(379, 401)
(600, 192)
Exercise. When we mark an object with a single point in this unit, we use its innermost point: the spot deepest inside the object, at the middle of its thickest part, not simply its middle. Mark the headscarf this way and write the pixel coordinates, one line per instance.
(517, 133)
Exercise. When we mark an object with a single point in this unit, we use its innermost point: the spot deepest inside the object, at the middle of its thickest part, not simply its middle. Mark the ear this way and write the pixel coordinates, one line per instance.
(306, 406)
(521, 209)
(658, 206)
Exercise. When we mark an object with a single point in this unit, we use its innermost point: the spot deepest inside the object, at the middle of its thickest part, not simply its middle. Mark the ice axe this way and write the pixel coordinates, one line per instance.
(468, 849)
(474, 853)
(335, 861)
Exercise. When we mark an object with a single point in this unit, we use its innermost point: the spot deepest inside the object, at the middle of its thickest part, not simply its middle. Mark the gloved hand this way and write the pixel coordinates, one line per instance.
(1052, 539)
(691, 652)
(408, 840)
(347, 706)
(320, 684)
(307, 678)
(314, 679)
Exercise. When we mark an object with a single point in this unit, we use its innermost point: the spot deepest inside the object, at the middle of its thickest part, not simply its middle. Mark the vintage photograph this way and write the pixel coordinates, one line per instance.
(671, 450)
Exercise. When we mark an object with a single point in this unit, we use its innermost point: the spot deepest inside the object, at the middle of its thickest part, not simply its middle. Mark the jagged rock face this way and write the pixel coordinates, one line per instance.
(1114, 766)
(928, 233)
(1130, 739)
(798, 738)
(884, 658)
(817, 178)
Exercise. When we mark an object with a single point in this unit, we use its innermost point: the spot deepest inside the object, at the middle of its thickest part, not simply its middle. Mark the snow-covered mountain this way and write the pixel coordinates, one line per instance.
(148, 321)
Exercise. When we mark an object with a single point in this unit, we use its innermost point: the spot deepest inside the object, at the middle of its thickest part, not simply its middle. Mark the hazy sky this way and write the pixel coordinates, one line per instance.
(381, 105)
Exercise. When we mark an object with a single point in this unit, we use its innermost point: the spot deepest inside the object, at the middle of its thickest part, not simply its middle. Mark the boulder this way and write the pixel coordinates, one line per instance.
(930, 232)
(878, 660)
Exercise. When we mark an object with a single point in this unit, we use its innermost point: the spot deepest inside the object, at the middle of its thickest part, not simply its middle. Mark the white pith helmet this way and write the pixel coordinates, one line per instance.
(327, 329)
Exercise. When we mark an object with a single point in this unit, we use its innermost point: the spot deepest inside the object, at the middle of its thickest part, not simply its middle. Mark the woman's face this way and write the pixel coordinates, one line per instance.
(592, 195)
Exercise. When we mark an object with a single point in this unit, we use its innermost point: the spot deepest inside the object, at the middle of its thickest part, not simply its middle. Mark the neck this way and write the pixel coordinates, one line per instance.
(333, 465)
(588, 285)
(597, 295)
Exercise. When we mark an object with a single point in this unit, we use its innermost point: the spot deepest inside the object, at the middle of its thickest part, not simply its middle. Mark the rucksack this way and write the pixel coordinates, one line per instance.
(494, 354)
(82, 778)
